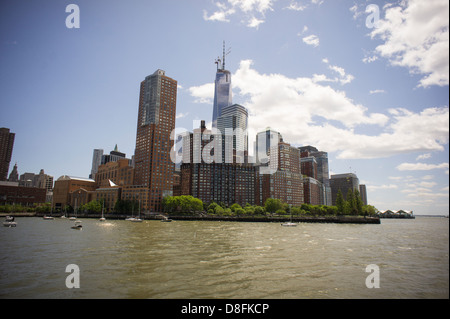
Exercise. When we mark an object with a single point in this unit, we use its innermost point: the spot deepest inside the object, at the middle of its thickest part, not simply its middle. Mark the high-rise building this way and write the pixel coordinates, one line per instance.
(206, 175)
(96, 162)
(321, 171)
(264, 141)
(363, 193)
(234, 120)
(156, 120)
(222, 89)
(343, 182)
(6, 148)
(285, 181)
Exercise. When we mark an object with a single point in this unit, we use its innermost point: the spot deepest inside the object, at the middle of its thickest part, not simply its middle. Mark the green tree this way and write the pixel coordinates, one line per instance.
(272, 205)
(351, 200)
(234, 207)
(358, 203)
(259, 210)
(340, 203)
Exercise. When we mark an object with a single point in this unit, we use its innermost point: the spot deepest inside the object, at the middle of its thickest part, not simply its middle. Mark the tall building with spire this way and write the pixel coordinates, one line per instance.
(222, 89)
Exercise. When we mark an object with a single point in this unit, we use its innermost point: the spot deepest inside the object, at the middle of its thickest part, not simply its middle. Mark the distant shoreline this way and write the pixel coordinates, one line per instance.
(276, 219)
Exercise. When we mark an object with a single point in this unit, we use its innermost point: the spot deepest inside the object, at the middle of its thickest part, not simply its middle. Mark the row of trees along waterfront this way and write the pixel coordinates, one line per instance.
(186, 204)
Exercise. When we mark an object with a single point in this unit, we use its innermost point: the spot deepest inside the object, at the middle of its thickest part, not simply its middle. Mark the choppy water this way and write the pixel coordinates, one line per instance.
(120, 259)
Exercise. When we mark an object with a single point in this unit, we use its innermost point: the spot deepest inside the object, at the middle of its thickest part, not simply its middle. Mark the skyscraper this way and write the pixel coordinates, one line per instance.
(156, 120)
(235, 118)
(6, 148)
(222, 89)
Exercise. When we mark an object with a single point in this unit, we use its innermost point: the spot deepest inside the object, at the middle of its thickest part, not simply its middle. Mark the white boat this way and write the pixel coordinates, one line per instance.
(77, 225)
(135, 219)
(290, 223)
(48, 217)
(9, 222)
(102, 219)
(165, 219)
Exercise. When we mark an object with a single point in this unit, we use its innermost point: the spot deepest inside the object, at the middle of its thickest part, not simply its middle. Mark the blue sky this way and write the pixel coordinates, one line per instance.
(375, 99)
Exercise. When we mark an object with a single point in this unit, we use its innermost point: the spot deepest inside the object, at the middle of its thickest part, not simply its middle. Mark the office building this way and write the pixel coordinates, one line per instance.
(207, 175)
(234, 120)
(343, 182)
(363, 193)
(6, 148)
(285, 182)
(96, 161)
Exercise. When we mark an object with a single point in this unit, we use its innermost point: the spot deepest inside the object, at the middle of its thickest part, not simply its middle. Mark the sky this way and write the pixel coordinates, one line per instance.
(365, 81)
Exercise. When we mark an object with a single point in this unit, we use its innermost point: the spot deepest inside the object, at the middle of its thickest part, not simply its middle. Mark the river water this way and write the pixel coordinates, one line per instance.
(190, 259)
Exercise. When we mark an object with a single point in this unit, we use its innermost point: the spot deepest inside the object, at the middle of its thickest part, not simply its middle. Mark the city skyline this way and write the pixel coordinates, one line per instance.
(311, 70)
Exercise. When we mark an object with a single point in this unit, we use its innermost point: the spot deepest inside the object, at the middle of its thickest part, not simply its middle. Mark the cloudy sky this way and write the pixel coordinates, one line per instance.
(365, 81)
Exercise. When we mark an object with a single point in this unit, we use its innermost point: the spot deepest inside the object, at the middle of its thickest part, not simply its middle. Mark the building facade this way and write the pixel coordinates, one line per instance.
(343, 182)
(285, 181)
(156, 120)
(213, 173)
(234, 120)
(6, 148)
(363, 193)
(120, 173)
(65, 186)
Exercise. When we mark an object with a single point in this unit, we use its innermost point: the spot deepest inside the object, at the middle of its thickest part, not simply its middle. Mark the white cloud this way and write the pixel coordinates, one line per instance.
(254, 23)
(312, 40)
(415, 35)
(376, 91)
(253, 10)
(181, 115)
(371, 187)
(421, 166)
(423, 156)
(296, 6)
(370, 59)
(203, 93)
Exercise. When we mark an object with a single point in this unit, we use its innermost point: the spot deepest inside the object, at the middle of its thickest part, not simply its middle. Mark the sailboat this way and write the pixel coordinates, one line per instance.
(102, 219)
(290, 223)
(138, 220)
(74, 218)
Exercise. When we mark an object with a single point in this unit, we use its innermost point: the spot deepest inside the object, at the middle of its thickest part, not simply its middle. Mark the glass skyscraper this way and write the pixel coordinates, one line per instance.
(222, 93)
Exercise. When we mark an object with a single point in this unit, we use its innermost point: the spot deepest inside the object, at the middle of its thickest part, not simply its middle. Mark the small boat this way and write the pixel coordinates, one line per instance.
(102, 219)
(166, 219)
(48, 217)
(72, 218)
(9, 222)
(138, 219)
(290, 223)
(77, 225)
